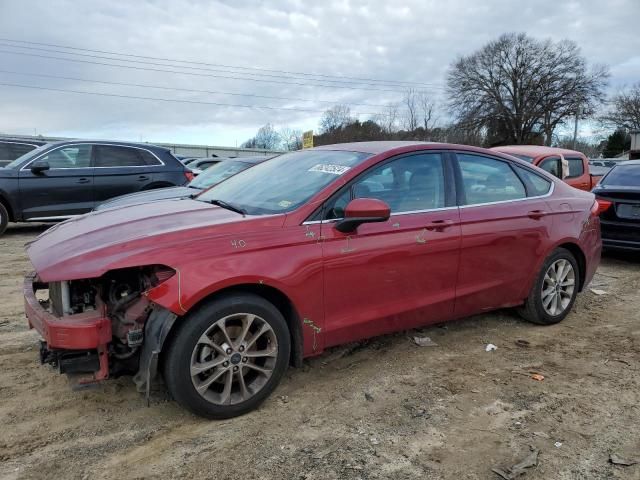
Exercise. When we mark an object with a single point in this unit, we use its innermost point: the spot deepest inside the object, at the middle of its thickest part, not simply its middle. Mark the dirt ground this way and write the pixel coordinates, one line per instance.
(384, 409)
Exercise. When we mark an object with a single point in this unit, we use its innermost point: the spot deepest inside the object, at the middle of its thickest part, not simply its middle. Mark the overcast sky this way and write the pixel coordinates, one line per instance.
(375, 39)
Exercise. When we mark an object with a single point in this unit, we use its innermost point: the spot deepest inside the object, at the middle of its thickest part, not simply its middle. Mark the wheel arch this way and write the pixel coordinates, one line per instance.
(154, 185)
(4, 199)
(273, 295)
(581, 259)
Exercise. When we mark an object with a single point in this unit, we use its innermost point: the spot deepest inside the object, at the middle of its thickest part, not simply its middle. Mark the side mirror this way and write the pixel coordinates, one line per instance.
(39, 166)
(363, 210)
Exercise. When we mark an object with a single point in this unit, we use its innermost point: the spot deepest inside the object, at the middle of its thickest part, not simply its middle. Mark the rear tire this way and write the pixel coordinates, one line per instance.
(4, 218)
(554, 291)
(227, 356)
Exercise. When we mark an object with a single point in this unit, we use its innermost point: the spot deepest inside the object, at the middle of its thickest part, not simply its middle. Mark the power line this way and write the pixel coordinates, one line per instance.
(396, 82)
(101, 57)
(133, 67)
(104, 82)
(171, 100)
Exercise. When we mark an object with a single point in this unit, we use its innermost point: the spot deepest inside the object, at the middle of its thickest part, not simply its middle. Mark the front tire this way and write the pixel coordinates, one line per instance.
(554, 291)
(4, 218)
(227, 356)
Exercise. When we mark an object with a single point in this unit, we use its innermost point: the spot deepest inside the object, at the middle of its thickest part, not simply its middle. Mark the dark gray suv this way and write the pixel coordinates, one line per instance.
(59, 180)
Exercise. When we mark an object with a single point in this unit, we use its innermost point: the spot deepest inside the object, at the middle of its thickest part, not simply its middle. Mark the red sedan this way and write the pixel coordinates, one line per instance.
(308, 250)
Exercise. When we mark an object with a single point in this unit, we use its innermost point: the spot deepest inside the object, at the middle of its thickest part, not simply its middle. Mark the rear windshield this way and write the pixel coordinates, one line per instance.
(623, 176)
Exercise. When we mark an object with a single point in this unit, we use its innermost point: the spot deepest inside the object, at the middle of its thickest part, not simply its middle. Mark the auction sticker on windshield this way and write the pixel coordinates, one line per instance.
(329, 168)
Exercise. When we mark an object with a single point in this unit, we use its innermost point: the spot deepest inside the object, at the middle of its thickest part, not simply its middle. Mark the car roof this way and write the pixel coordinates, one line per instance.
(147, 146)
(629, 162)
(534, 150)
(370, 147)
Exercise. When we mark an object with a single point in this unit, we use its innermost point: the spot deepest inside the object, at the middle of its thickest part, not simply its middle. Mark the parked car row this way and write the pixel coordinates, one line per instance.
(219, 292)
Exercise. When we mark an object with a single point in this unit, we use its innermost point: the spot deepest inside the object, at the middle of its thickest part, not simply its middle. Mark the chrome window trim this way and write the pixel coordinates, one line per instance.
(409, 212)
(97, 144)
(548, 194)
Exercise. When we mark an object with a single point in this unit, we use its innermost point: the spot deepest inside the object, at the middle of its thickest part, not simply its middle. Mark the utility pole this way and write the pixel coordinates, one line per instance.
(575, 128)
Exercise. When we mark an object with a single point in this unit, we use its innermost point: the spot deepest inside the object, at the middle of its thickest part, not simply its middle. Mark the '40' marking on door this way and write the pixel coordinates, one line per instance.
(238, 243)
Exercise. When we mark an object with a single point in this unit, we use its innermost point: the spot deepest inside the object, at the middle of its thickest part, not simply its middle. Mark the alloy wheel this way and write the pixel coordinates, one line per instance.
(558, 286)
(234, 359)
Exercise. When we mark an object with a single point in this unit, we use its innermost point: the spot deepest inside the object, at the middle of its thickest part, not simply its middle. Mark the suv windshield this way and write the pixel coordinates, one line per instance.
(27, 156)
(285, 182)
(623, 176)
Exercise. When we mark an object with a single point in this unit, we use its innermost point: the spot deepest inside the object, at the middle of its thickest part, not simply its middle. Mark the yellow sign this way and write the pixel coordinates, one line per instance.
(307, 139)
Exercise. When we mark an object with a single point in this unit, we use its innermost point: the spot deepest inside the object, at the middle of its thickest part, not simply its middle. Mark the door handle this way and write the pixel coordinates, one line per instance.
(142, 178)
(536, 214)
(439, 225)
(84, 180)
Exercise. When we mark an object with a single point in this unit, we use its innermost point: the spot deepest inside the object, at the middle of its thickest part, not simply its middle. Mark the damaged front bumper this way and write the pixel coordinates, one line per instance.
(75, 343)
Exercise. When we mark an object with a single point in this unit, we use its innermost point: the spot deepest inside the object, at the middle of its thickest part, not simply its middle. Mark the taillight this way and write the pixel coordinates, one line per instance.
(600, 206)
(189, 174)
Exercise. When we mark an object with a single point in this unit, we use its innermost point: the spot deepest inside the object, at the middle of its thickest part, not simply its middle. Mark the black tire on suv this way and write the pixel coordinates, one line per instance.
(4, 218)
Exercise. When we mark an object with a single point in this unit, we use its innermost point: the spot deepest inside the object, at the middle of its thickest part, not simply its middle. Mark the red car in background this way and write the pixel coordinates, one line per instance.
(309, 250)
(575, 170)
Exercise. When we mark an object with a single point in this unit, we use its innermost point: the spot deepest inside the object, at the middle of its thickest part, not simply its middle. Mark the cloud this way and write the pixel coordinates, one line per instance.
(412, 41)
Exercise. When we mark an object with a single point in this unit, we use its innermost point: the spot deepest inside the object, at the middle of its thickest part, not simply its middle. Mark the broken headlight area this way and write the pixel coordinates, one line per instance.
(96, 325)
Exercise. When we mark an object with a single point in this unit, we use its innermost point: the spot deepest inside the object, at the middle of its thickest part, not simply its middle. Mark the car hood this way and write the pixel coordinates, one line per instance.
(149, 196)
(90, 245)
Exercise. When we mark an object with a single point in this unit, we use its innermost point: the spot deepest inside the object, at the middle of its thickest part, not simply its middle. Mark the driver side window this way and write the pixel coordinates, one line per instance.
(410, 183)
(73, 156)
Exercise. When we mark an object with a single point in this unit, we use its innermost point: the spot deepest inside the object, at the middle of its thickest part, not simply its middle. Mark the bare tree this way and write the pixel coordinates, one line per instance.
(624, 111)
(388, 119)
(411, 115)
(426, 108)
(518, 87)
(291, 138)
(335, 118)
(266, 138)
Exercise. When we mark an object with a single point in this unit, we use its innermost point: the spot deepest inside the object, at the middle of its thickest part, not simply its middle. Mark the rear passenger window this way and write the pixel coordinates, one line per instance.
(576, 167)
(113, 156)
(487, 180)
(149, 159)
(537, 185)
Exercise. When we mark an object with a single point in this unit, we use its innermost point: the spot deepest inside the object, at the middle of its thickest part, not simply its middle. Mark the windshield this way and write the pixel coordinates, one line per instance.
(218, 173)
(623, 176)
(285, 182)
(27, 156)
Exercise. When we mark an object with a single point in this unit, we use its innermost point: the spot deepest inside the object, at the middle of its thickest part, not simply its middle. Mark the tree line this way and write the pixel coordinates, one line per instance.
(514, 90)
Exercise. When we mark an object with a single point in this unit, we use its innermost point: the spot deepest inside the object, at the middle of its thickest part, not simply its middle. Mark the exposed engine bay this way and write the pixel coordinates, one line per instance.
(118, 295)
